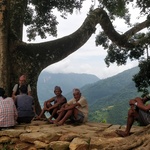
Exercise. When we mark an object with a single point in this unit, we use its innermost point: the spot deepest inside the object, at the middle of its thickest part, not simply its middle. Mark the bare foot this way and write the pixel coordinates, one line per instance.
(55, 122)
(121, 133)
(50, 121)
(59, 123)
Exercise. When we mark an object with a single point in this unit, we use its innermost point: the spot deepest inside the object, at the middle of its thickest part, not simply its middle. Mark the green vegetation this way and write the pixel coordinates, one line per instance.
(112, 98)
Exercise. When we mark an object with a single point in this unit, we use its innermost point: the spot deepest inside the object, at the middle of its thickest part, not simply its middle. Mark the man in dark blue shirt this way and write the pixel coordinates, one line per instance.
(25, 106)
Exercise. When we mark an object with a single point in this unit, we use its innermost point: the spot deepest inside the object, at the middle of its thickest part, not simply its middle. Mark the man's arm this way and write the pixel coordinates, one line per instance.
(48, 101)
(33, 106)
(15, 112)
(63, 101)
(133, 101)
(29, 89)
(71, 106)
(68, 107)
(14, 91)
(139, 103)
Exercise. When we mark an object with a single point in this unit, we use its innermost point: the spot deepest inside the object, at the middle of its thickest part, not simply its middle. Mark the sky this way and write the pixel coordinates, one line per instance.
(89, 58)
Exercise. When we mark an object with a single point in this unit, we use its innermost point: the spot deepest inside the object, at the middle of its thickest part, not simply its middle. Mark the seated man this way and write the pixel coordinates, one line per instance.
(8, 111)
(25, 106)
(138, 111)
(58, 100)
(76, 110)
(22, 81)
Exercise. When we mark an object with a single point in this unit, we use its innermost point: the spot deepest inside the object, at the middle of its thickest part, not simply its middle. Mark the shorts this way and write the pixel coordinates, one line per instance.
(55, 115)
(80, 118)
(24, 119)
(144, 117)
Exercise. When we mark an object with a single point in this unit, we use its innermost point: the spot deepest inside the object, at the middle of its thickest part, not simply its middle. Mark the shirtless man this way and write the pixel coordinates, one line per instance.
(58, 101)
(139, 111)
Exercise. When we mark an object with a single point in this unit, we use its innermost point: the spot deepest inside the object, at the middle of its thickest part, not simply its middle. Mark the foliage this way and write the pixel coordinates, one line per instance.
(40, 16)
(142, 79)
(144, 5)
(115, 7)
(110, 102)
(140, 39)
(41, 19)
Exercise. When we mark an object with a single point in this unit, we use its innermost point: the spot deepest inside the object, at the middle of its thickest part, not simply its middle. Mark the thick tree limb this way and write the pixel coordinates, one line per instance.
(56, 50)
(31, 59)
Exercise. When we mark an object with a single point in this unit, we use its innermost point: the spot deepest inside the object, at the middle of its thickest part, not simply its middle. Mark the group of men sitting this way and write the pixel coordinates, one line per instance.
(20, 107)
(75, 109)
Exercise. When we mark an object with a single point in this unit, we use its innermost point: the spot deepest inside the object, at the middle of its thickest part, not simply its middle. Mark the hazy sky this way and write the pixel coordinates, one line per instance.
(89, 58)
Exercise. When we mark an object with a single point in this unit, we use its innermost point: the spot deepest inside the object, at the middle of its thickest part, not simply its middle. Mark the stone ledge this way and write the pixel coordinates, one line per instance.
(39, 135)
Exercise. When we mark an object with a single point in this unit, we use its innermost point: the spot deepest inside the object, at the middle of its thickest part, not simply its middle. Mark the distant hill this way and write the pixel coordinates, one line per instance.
(108, 98)
(47, 81)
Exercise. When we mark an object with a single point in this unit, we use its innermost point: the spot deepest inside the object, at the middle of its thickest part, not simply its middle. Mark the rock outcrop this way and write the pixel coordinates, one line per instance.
(39, 135)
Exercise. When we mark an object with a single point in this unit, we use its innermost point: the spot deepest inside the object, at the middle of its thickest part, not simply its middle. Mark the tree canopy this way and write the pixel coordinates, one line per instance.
(40, 18)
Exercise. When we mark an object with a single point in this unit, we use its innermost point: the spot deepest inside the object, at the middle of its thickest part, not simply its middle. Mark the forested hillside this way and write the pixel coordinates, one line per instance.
(110, 102)
(108, 98)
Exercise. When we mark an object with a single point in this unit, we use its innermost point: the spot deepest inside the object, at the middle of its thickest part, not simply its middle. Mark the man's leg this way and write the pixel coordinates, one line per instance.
(66, 116)
(78, 116)
(41, 114)
(48, 105)
(60, 116)
(132, 114)
(53, 113)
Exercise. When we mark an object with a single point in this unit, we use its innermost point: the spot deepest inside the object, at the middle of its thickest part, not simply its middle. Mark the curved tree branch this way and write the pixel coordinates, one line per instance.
(137, 28)
(31, 59)
(56, 50)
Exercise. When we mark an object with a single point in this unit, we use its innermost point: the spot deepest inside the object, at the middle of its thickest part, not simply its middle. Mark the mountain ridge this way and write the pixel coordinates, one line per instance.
(47, 81)
(107, 98)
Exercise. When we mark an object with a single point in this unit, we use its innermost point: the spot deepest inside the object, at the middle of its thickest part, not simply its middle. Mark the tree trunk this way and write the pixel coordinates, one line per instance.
(4, 55)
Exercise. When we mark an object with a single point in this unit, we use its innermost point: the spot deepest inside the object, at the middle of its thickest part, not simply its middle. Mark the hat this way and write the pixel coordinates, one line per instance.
(57, 88)
(2, 92)
(23, 77)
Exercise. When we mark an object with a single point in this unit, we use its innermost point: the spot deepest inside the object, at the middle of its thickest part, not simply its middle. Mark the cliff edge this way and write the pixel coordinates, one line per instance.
(39, 135)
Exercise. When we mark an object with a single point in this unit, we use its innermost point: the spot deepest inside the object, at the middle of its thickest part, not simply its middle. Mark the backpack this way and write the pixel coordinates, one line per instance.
(18, 91)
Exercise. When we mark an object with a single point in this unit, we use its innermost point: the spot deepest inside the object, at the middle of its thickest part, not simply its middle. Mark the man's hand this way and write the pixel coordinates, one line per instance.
(132, 102)
(62, 109)
(46, 109)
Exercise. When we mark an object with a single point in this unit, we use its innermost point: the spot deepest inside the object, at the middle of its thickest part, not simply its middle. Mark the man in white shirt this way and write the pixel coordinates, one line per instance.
(76, 110)
(22, 81)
